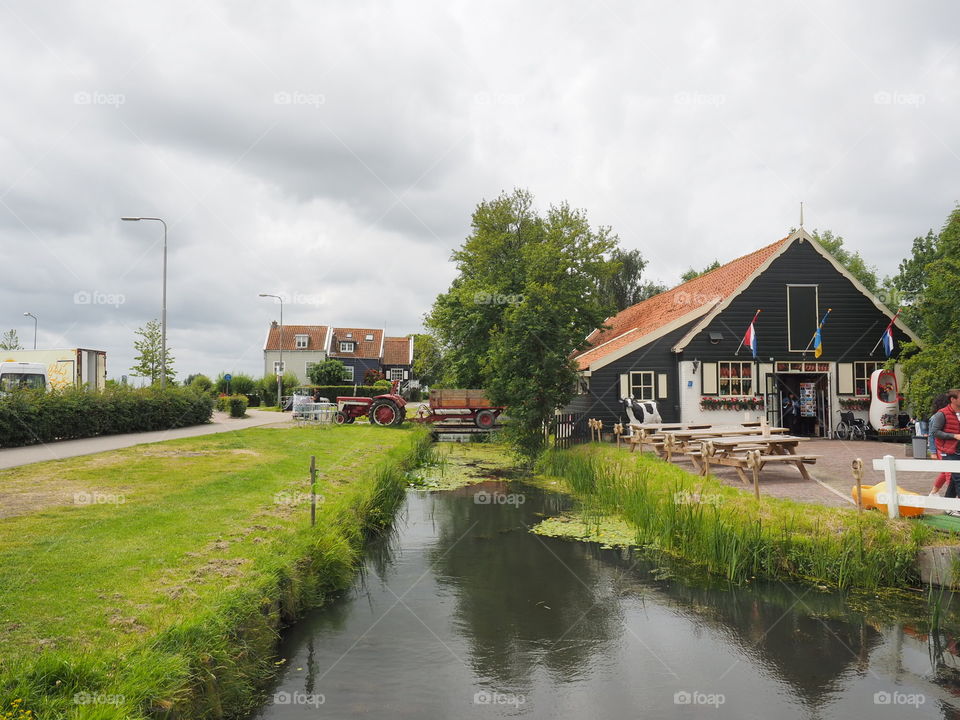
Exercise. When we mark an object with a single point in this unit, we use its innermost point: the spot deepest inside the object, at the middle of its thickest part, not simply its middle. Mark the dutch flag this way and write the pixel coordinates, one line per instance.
(888, 340)
(750, 339)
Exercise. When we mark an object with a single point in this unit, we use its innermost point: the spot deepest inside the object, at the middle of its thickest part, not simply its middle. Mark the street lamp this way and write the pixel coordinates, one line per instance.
(163, 309)
(279, 374)
(34, 328)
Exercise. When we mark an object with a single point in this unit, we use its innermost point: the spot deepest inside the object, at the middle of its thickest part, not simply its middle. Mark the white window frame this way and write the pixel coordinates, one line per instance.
(369, 337)
(348, 347)
(736, 382)
(348, 373)
(395, 374)
(278, 367)
(645, 384)
(816, 316)
(302, 341)
(861, 365)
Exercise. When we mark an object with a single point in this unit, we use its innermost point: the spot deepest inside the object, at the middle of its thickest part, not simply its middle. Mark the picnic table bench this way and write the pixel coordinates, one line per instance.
(754, 453)
(651, 434)
(688, 441)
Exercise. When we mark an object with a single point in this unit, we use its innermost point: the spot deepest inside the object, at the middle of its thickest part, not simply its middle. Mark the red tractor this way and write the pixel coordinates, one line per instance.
(389, 409)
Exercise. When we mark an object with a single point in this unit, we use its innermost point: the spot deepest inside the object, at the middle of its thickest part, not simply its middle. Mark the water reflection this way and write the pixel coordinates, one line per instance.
(461, 603)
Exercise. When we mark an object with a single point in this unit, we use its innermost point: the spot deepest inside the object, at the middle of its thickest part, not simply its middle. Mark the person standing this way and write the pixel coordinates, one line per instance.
(947, 436)
(935, 422)
(791, 413)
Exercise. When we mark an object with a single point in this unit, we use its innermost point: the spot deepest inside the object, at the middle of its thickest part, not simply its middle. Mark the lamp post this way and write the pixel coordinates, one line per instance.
(163, 307)
(279, 374)
(26, 314)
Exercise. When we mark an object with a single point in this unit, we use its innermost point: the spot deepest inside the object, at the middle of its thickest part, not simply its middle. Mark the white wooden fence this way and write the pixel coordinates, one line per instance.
(893, 500)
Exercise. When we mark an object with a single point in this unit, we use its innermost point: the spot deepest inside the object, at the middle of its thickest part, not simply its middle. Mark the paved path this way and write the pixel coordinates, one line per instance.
(222, 422)
(833, 472)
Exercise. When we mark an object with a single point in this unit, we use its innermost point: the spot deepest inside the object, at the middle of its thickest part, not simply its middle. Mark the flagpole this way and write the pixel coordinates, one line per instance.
(755, 316)
(892, 321)
(819, 327)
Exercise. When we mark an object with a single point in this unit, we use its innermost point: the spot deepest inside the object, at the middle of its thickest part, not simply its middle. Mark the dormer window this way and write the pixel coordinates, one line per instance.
(369, 337)
(302, 341)
(347, 347)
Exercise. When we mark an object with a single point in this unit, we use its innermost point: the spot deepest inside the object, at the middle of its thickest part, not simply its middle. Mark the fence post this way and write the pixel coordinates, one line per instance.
(890, 471)
(313, 490)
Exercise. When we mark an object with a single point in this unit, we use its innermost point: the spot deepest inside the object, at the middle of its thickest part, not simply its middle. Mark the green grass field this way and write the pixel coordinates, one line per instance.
(126, 574)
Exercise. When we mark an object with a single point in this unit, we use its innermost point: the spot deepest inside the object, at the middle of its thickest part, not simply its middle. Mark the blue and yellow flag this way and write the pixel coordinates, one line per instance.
(818, 337)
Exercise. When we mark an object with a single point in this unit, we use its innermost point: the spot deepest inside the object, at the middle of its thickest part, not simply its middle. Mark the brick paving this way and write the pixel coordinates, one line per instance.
(833, 469)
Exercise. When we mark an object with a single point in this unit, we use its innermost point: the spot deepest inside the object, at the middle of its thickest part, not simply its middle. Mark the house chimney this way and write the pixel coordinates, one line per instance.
(273, 324)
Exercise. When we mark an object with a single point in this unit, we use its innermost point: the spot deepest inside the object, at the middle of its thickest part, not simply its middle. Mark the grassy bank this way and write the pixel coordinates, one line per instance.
(729, 533)
(152, 581)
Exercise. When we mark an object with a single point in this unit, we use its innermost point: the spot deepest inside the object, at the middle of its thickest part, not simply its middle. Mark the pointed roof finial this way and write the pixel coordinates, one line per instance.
(801, 214)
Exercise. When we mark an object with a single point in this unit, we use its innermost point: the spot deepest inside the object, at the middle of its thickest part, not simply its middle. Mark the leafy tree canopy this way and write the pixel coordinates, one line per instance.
(148, 347)
(10, 341)
(626, 286)
(527, 294)
(328, 372)
(691, 273)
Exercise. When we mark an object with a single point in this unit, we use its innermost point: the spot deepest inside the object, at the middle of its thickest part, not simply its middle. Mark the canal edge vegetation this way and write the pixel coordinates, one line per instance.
(729, 533)
(216, 661)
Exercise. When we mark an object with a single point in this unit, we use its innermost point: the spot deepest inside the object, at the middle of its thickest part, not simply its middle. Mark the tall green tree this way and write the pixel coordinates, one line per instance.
(527, 294)
(148, 346)
(626, 286)
(906, 288)
(10, 341)
(691, 273)
(933, 273)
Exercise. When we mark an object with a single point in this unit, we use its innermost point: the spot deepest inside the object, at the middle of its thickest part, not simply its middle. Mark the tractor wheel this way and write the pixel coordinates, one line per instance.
(339, 418)
(485, 419)
(351, 420)
(401, 416)
(384, 412)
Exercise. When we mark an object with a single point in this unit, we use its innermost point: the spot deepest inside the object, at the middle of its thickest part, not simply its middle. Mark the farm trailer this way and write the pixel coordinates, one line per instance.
(468, 407)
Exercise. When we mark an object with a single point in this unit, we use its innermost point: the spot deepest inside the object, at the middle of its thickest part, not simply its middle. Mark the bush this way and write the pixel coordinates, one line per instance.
(383, 385)
(267, 387)
(240, 384)
(236, 405)
(200, 382)
(253, 400)
(326, 372)
(372, 377)
(31, 417)
(332, 391)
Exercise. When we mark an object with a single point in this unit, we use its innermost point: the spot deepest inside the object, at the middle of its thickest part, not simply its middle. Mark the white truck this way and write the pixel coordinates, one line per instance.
(69, 367)
(22, 376)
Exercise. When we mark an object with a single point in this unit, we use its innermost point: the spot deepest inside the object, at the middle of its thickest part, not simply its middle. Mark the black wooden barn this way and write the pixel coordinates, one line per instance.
(680, 348)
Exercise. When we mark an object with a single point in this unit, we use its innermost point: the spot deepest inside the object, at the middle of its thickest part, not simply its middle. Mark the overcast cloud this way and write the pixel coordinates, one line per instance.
(335, 151)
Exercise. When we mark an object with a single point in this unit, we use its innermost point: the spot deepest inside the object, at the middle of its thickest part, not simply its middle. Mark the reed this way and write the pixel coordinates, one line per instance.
(729, 533)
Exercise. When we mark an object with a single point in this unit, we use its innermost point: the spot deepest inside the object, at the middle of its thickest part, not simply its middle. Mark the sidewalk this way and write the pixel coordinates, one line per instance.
(222, 422)
(833, 472)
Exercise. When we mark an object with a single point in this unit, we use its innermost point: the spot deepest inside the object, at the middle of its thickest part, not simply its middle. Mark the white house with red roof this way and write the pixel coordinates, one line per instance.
(680, 348)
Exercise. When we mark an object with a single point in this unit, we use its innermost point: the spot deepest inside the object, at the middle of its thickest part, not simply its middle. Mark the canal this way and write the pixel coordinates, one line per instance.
(463, 613)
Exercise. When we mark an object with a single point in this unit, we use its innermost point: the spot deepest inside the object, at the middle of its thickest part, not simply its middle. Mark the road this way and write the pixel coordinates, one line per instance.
(222, 422)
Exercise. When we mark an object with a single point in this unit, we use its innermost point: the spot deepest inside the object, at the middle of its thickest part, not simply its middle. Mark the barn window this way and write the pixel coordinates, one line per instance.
(641, 385)
(861, 376)
(735, 377)
(802, 315)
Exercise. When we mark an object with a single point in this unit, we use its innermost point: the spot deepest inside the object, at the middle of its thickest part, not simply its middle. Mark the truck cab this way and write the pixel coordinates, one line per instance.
(22, 376)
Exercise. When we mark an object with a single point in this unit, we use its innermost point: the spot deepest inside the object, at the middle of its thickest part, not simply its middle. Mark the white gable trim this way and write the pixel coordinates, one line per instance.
(411, 351)
(725, 302)
(649, 337)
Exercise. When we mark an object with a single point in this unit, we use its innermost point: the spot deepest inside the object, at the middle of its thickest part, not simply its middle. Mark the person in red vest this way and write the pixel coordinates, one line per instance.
(939, 401)
(947, 435)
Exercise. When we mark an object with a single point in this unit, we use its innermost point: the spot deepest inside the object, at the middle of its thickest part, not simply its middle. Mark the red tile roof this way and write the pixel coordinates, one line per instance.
(654, 313)
(316, 337)
(364, 348)
(396, 351)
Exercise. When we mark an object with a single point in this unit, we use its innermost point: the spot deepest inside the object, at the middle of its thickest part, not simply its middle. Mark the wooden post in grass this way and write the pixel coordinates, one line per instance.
(858, 476)
(618, 431)
(753, 460)
(313, 490)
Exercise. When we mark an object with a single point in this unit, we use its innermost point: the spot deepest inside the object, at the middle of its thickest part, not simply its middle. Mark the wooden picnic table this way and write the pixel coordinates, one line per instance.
(689, 442)
(647, 433)
(735, 451)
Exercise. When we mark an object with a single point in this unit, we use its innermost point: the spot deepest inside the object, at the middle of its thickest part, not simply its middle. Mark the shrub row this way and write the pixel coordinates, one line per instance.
(332, 391)
(31, 417)
(236, 405)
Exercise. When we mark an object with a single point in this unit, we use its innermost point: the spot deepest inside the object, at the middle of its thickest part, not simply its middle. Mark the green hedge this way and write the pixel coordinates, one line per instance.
(332, 391)
(31, 417)
(236, 405)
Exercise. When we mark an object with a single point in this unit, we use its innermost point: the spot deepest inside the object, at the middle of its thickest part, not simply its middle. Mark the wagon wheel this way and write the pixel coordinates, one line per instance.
(383, 412)
(339, 418)
(485, 419)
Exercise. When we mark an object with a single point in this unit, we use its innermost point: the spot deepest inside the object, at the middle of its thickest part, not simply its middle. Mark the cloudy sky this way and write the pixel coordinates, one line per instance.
(334, 151)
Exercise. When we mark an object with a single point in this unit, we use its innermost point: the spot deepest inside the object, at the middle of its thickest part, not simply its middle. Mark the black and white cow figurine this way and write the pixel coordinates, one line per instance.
(641, 411)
